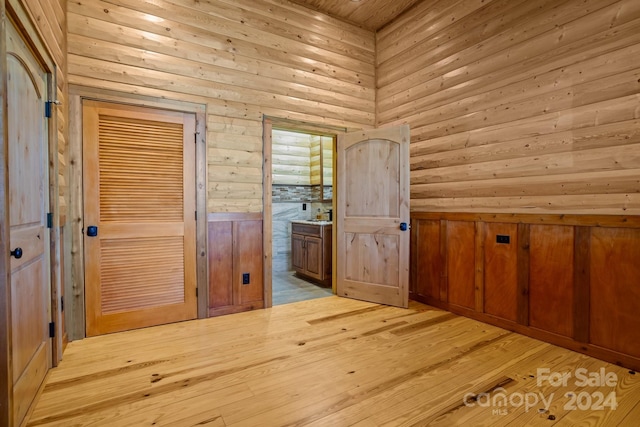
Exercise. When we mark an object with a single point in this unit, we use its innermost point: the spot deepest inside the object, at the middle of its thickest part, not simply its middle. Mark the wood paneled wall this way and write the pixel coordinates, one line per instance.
(316, 146)
(242, 58)
(235, 248)
(291, 157)
(325, 144)
(327, 160)
(515, 105)
(569, 280)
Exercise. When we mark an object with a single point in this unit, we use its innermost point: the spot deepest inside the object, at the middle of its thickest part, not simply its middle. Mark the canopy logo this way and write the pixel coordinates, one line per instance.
(501, 401)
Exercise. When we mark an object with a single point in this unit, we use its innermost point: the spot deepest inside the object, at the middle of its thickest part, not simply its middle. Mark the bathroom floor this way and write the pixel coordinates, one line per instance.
(288, 288)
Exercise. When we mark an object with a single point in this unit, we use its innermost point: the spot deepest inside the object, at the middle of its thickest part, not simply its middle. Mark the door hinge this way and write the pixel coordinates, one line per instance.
(52, 329)
(196, 292)
(47, 108)
(196, 215)
(61, 303)
(49, 220)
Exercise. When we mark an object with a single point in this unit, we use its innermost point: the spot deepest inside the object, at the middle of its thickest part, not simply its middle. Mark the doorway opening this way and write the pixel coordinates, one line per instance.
(299, 203)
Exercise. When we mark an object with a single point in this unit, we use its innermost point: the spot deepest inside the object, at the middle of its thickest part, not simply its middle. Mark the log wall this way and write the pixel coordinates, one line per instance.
(316, 142)
(517, 106)
(327, 161)
(242, 58)
(325, 144)
(291, 157)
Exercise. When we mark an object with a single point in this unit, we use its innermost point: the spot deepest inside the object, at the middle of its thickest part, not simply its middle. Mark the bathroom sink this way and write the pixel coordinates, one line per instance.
(312, 221)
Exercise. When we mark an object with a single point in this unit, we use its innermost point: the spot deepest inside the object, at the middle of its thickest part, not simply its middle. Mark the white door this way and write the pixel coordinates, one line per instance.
(373, 215)
(29, 237)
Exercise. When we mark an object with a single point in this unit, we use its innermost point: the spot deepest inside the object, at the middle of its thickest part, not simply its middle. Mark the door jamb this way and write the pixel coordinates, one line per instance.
(268, 123)
(6, 377)
(75, 312)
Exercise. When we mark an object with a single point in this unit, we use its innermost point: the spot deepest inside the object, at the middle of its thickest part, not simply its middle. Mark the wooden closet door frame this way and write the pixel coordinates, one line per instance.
(75, 308)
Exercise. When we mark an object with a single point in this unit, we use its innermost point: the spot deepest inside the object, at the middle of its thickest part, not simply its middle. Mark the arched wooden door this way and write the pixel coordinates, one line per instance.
(28, 208)
(373, 215)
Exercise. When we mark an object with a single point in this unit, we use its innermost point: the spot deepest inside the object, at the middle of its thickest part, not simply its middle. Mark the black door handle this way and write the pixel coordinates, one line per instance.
(17, 253)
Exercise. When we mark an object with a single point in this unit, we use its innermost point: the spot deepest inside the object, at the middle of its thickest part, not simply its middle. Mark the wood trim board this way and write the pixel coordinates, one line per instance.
(6, 378)
(623, 221)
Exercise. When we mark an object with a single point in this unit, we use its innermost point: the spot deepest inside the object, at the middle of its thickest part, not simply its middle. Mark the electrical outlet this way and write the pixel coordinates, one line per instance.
(501, 238)
(246, 278)
(304, 206)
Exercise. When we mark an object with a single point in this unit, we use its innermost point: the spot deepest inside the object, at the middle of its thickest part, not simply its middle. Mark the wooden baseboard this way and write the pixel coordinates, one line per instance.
(232, 309)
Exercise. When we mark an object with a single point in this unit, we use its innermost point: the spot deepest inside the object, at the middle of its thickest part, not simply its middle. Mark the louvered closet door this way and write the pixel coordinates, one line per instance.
(139, 191)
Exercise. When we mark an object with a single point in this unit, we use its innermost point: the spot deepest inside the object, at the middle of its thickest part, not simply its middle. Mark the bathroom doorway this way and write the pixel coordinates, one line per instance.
(299, 183)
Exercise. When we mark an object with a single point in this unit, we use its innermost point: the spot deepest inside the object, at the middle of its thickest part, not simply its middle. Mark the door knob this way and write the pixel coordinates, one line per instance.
(17, 253)
(92, 231)
(404, 226)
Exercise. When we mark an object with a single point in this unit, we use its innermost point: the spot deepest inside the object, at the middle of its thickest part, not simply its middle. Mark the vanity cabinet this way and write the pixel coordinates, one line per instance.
(311, 250)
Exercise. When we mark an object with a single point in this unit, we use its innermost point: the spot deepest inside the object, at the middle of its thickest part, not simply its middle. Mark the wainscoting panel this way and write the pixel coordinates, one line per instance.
(220, 264)
(569, 280)
(615, 289)
(426, 263)
(501, 271)
(235, 249)
(551, 278)
(247, 255)
(460, 263)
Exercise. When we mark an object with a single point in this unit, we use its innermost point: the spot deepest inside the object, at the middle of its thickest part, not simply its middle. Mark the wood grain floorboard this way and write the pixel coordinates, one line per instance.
(323, 362)
(287, 287)
(345, 315)
(424, 324)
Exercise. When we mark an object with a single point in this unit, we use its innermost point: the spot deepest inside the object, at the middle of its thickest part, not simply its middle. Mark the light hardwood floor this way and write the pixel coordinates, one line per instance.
(325, 362)
(288, 288)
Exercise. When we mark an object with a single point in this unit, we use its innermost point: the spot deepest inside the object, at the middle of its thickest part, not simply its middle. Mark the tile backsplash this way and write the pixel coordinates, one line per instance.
(299, 193)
